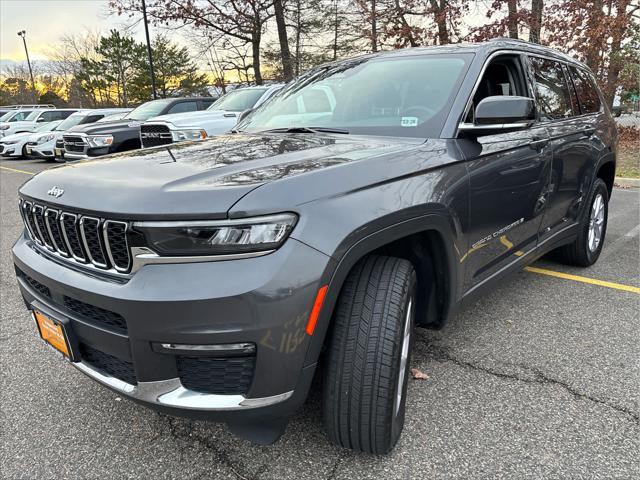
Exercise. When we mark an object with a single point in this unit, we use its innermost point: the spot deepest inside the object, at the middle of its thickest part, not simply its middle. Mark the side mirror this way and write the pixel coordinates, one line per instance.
(41, 119)
(501, 113)
(244, 115)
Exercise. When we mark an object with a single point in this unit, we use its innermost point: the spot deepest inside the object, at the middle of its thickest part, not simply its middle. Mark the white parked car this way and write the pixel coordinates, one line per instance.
(44, 145)
(219, 118)
(14, 145)
(34, 119)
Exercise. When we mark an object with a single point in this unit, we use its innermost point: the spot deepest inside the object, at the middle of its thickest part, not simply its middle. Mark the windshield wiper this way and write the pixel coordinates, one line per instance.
(306, 130)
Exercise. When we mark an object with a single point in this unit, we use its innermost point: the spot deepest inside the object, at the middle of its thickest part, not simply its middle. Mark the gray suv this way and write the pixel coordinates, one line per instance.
(372, 195)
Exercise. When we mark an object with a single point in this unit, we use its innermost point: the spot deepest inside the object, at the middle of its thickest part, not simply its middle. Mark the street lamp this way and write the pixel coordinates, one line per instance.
(23, 34)
(146, 32)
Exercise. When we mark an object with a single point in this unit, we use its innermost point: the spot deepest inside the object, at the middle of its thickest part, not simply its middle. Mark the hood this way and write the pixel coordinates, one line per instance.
(197, 119)
(20, 124)
(15, 136)
(105, 127)
(199, 180)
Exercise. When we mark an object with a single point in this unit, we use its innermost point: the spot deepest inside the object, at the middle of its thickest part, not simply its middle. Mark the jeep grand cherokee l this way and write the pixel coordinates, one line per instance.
(210, 279)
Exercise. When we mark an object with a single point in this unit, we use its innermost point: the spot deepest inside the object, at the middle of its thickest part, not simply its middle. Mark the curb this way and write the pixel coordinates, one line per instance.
(627, 182)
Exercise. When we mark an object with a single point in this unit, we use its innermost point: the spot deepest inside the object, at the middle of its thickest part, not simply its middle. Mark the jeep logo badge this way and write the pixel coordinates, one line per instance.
(55, 192)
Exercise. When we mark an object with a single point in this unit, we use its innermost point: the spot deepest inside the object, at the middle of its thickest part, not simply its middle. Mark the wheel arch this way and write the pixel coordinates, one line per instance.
(433, 236)
(607, 171)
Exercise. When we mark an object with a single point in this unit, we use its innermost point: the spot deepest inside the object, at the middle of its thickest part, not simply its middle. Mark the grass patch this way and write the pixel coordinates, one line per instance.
(628, 164)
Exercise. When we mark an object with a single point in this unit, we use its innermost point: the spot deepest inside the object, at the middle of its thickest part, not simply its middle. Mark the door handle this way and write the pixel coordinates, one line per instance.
(589, 131)
(537, 143)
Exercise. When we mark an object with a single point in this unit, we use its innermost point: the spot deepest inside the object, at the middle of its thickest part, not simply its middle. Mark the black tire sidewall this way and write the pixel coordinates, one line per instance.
(397, 421)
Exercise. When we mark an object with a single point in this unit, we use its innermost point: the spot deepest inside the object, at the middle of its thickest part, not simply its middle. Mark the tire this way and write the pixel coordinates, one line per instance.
(583, 252)
(365, 381)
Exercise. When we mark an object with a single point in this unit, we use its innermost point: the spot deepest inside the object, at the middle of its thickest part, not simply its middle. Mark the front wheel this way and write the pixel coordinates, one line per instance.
(365, 383)
(586, 248)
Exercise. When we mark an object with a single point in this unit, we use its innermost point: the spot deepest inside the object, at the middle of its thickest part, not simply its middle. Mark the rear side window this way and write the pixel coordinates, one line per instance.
(586, 90)
(92, 118)
(184, 107)
(554, 101)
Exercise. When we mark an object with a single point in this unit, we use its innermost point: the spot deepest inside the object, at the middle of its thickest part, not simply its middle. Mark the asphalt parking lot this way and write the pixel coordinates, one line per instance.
(540, 379)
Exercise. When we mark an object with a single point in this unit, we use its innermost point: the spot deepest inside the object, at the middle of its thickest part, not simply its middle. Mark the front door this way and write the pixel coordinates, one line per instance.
(508, 178)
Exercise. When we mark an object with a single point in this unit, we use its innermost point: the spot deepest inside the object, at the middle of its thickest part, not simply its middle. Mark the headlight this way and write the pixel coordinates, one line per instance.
(99, 140)
(188, 134)
(218, 237)
(46, 138)
(9, 142)
(4, 127)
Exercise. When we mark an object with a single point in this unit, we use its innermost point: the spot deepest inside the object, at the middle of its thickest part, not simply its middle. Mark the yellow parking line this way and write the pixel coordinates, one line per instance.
(17, 171)
(577, 278)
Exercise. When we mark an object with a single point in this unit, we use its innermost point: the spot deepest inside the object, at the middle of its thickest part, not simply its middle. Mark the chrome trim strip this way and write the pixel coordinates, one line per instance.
(219, 347)
(86, 245)
(291, 218)
(43, 238)
(64, 215)
(470, 127)
(144, 256)
(105, 235)
(171, 393)
(47, 215)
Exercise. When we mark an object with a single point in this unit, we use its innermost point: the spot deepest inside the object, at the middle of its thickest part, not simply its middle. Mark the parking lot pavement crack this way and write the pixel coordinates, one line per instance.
(181, 433)
(538, 377)
(335, 467)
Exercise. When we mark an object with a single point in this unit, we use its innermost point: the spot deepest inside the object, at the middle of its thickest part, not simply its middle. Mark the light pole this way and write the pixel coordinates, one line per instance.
(23, 34)
(146, 32)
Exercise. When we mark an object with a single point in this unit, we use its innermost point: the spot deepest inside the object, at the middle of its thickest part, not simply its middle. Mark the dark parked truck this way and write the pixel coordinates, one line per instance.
(211, 279)
(122, 135)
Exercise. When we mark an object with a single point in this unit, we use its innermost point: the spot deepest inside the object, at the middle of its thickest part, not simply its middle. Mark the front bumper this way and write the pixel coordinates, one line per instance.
(265, 301)
(44, 150)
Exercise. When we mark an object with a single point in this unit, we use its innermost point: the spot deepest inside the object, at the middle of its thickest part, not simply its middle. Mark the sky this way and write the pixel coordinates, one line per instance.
(46, 21)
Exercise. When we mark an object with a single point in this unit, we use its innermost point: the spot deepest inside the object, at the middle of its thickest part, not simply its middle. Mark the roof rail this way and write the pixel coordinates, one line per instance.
(20, 107)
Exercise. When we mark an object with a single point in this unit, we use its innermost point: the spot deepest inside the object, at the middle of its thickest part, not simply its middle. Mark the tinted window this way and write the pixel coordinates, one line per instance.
(551, 87)
(238, 100)
(148, 110)
(586, 90)
(49, 117)
(93, 118)
(184, 107)
(396, 96)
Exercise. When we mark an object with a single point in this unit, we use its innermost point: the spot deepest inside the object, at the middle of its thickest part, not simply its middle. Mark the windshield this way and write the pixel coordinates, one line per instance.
(238, 100)
(404, 96)
(112, 117)
(71, 121)
(33, 115)
(17, 116)
(147, 110)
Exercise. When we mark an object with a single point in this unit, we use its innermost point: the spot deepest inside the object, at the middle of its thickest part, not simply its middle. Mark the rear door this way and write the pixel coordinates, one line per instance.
(569, 135)
(508, 178)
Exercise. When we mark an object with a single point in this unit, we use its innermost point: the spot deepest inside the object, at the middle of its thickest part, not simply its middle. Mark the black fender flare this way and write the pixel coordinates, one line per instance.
(336, 272)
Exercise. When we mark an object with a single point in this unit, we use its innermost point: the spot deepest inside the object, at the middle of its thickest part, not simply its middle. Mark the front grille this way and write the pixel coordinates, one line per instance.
(90, 232)
(34, 284)
(74, 144)
(154, 135)
(96, 315)
(83, 239)
(223, 376)
(120, 369)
